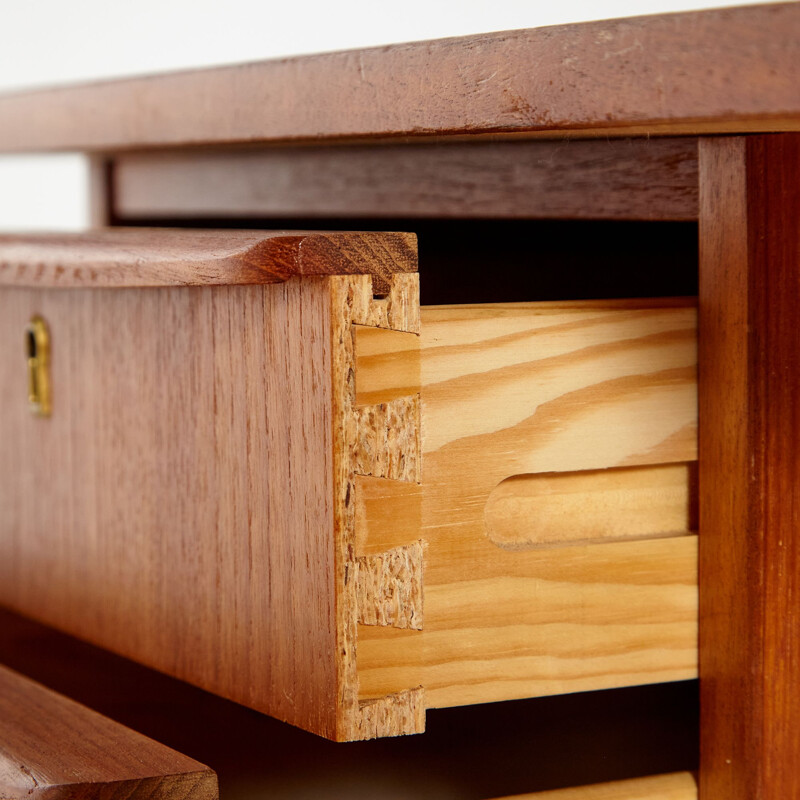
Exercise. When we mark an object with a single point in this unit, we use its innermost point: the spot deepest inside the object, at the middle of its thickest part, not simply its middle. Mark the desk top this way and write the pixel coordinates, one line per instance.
(718, 71)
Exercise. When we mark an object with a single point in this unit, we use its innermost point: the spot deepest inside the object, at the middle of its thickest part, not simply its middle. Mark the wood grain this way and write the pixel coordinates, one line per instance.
(618, 179)
(116, 257)
(675, 786)
(177, 506)
(189, 502)
(749, 470)
(227, 502)
(591, 506)
(719, 70)
(531, 388)
(52, 747)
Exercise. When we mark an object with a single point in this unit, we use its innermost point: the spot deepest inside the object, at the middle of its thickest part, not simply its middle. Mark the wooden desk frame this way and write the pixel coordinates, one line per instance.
(734, 72)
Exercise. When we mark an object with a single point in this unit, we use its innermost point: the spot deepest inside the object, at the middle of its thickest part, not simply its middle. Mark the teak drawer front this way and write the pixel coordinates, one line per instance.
(290, 496)
(184, 504)
(52, 747)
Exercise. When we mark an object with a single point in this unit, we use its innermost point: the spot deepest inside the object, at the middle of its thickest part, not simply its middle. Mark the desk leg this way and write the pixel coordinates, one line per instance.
(749, 385)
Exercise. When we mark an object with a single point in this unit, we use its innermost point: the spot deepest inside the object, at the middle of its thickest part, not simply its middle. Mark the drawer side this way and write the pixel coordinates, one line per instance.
(593, 405)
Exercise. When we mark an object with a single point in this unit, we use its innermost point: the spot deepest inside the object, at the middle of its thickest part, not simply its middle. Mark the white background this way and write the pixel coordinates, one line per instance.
(45, 42)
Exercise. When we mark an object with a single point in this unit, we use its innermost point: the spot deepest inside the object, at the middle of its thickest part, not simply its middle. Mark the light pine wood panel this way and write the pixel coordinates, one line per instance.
(626, 179)
(733, 70)
(676, 786)
(568, 508)
(52, 747)
(116, 257)
(523, 389)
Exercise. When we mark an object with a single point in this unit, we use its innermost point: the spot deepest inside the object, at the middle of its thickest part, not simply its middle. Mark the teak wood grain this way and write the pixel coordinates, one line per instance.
(675, 786)
(593, 179)
(52, 747)
(188, 504)
(530, 389)
(749, 468)
(116, 257)
(154, 513)
(723, 70)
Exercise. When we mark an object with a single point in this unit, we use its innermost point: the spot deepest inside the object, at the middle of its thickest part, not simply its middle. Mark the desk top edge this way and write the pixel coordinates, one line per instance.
(148, 257)
(729, 70)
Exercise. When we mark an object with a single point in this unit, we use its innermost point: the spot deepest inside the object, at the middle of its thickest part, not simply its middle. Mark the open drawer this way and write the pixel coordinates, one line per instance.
(259, 466)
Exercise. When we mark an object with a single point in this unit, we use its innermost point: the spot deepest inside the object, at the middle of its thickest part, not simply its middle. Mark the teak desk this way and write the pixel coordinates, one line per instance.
(273, 474)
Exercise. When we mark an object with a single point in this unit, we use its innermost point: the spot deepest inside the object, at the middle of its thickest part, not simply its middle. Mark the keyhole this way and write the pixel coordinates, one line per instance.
(37, 345)
(31, 344)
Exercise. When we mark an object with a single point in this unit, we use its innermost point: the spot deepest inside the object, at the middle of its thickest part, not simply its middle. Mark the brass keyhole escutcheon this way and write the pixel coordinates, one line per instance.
(37, 348)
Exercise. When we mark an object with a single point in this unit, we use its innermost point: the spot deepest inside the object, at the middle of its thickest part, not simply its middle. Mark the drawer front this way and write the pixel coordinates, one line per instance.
(341, 509)
(183, 503)
(51, 746)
